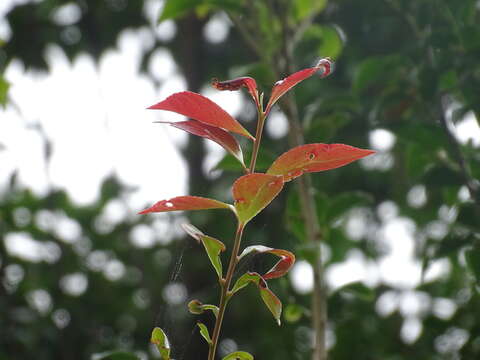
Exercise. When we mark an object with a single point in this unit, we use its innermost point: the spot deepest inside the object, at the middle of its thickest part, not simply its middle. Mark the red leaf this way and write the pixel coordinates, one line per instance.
(185, 203)
(282, 86)
(314, 158)
(221, 137)
(238, 83)
(200, 108)
(287, 259)
(253, 192)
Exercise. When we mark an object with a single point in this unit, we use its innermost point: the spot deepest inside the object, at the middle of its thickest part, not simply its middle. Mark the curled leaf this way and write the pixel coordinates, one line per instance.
(159, 339)
(282, 86)
(253, 192)
(204, 332)
(269, 298)
(238, 83)
(287, 259)
(220, 136)
(212, 246)
(196, 307)
(238, 355)
(185, 203)
(202, 109)
(314, 158)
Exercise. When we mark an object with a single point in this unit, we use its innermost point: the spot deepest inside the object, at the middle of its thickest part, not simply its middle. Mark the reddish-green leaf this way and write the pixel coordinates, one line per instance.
(271, 300)
(221, 137)
(253, 192)
(185, 203)
(238, 83)
(282, 86)
(200, 108)
(287, 259)
(212, 246)
(196, 307)
(204, 332)
(268, 297)
(161, 341)
(314, 158)
(238, 355)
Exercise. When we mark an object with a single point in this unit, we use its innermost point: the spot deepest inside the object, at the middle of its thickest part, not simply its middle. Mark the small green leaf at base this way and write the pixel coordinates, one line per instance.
(204, 332)
(159, 339)
(238, 355)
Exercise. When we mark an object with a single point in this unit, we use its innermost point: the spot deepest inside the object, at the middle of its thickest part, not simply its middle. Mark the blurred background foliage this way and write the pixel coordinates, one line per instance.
(407, 72)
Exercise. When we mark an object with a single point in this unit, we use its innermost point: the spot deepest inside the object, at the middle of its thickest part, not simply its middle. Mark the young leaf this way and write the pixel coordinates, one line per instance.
(185, 203)
(238, 83)
(161, 341)
(221, 137)
(204, 332)
(314, 158)
(253, 192)
(197, 308)
(200, 108)
(282, 86)
(286, 261)
(238, 355)
(212, 246)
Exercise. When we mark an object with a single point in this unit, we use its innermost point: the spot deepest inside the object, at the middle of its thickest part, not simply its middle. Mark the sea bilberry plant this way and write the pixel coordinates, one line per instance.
(251, 192)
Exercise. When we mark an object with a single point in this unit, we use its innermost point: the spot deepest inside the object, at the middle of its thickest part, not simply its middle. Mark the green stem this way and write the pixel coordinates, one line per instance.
(225, 296)
(258, 139)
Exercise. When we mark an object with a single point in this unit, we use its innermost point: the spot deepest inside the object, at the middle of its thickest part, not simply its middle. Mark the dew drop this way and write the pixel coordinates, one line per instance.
(279, 82)
(311, 156)
(168, 204)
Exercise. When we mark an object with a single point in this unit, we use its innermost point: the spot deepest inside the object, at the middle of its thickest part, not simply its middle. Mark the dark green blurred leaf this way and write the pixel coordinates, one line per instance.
(342, 203)
(176, 8)
(293, 313)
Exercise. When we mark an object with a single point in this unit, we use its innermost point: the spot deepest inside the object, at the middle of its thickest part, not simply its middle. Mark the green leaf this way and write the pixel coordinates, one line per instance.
(159, 339)
(253, 192)
(472, 256)
(117, 355)
(197, 308)
(238, 355)
(305, 8)
(293, 313)
(212, 246)
(204, 332)
(4, 86)
(244, 280)
(176, 8)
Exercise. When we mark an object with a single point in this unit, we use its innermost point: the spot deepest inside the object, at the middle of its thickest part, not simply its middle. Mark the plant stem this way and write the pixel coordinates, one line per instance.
(258, 139)
(224, 296)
